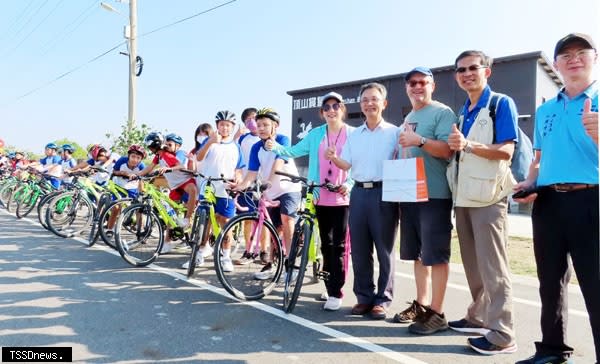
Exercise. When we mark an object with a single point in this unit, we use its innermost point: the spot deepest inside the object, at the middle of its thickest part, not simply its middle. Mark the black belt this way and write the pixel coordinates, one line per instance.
(375, 184)
(570, 187)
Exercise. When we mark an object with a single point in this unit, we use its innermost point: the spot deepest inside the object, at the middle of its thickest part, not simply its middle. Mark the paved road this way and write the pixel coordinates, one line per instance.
(57, 292)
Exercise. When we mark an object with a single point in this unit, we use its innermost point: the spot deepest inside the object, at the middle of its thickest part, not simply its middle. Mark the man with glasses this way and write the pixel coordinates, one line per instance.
(480, 179)
(425, 227)
(565, 208)
(372, 221)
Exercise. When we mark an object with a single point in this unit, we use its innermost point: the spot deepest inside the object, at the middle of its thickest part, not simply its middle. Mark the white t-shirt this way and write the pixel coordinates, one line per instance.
(222, 159)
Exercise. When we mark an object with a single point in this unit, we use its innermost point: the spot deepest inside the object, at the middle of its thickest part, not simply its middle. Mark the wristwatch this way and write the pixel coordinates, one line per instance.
(423, 141)
(467, 148)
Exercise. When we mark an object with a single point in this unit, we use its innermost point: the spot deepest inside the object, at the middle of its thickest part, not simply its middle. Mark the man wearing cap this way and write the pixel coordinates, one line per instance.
(425, 227)
(372, 221)
(480, 179)
(565, 208)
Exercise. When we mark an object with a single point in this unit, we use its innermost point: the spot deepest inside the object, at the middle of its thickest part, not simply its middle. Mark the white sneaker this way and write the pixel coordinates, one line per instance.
(166, 248)
(206, 251)
(227, 264)
(199, 262)
(266, 273)
(332, 304)
(324, 297)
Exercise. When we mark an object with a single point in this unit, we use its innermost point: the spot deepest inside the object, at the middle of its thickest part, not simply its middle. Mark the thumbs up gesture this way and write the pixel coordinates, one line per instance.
(456, 140)
(408, 137)
(590, 120)
(269, 143)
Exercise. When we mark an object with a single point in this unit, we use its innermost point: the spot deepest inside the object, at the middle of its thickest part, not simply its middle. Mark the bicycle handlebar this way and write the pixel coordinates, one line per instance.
(299, 179)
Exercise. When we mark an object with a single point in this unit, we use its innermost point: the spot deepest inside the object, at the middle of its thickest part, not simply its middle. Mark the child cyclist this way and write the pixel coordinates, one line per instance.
(67, 162)
(50, 164)
(221, 156)
(126, 168)
(262, 165)
(179, 182)
(99, 156)
(173, 143)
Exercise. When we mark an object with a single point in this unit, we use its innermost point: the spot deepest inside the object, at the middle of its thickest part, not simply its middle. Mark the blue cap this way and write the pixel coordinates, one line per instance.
(423, 70)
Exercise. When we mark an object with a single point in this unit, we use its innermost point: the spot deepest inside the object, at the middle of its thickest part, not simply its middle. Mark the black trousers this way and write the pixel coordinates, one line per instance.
(566, 223)
(333, 225)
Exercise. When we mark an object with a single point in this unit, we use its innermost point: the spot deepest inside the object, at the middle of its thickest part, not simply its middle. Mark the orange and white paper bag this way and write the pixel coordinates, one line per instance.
(404, 180)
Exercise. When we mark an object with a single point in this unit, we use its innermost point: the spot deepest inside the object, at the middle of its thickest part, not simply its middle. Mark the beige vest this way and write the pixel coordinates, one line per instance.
(476, 181)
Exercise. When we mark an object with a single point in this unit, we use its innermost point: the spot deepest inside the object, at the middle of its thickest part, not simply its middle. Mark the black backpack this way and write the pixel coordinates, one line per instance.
(523, 154)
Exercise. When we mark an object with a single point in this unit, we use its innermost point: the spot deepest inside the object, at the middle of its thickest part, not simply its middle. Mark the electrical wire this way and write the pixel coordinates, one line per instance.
(17, 19)
(113, 48)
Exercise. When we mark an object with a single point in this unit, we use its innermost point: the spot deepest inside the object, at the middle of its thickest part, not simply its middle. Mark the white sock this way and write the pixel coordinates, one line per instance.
(226, 253)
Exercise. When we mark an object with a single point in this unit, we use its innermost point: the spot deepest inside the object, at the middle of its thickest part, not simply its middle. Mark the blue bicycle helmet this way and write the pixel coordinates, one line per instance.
(174, 138)
(68, 147)
(51, 146)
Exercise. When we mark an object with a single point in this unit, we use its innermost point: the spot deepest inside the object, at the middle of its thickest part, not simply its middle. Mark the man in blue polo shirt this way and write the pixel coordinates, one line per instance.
(481, 180)
(565, 210)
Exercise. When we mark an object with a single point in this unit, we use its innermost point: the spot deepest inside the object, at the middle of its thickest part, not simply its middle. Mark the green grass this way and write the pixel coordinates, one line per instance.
(520, 255)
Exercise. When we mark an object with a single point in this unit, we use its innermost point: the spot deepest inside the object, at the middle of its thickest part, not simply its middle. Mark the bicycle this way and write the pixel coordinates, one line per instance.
(112, 193)
(303, 242)
(242, 282)
(205, 214)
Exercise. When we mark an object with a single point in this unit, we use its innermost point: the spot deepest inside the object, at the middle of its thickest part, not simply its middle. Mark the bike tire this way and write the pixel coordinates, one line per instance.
(140, 245)
(107, 234)
(43, 206)
(297, 260)
(198, 229)
(241, 283)
(94, 234)
(69, 225)
(27, 203)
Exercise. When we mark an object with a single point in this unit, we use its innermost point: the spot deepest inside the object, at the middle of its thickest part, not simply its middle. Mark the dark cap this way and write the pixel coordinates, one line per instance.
(423, 70)
(573, 37)
(331, 95)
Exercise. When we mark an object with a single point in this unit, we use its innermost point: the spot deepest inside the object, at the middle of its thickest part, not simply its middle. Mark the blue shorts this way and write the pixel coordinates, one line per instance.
(225, 207)
(245, 200)
(55, 182)
(288, 205)
(133, 193)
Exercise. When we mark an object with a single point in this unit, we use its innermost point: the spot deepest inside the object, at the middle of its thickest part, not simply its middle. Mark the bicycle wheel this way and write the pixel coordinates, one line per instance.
(108, 220)
(250, 280)
(139, 235)
(69, 214)
(15, 197)
(295, 265)
(27, 203)
(43, 206)
(198, 235)
(94, 234)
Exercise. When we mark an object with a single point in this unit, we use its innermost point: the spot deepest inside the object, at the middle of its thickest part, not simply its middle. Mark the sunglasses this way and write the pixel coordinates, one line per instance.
(421, 83)
(328, 107)
(473, 67)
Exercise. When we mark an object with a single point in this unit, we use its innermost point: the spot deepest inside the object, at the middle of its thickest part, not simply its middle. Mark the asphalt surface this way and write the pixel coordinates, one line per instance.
(58, 292)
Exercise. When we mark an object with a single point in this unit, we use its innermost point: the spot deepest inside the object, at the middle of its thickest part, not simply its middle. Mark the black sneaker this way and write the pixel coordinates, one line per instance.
(546, 359)
(410, 314)
(428, 323)
(246, 258)
(263, 258)
(465, 326)
(483, 346)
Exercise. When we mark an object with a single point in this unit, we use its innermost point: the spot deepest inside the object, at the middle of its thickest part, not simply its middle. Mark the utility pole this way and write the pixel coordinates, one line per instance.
(132, 63)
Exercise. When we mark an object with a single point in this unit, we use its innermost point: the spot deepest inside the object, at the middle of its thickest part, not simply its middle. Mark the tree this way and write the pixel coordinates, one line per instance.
(128, 136)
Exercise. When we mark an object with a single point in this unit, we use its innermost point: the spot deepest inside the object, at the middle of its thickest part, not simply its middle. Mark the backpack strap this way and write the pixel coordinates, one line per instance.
(492, 105)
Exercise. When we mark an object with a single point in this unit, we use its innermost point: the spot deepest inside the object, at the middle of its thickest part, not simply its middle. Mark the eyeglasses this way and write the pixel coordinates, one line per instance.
(328, 107)
(473, 67)
(372, 99)
(421, 83)
(566, 57)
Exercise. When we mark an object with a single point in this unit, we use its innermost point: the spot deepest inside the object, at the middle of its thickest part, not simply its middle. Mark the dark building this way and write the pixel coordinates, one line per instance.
(528, 78)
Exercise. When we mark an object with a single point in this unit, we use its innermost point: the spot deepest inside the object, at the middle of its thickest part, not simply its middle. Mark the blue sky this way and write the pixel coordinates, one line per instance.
(247, 53)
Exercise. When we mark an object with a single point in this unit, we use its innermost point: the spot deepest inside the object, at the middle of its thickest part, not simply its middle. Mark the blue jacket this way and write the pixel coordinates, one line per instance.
(310, 146)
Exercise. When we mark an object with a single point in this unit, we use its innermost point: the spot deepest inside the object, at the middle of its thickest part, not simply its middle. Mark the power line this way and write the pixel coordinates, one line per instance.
(30, 18)
(53, 42)
(35, 28)
(16, 20)
(115, 47)
(185, 19)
